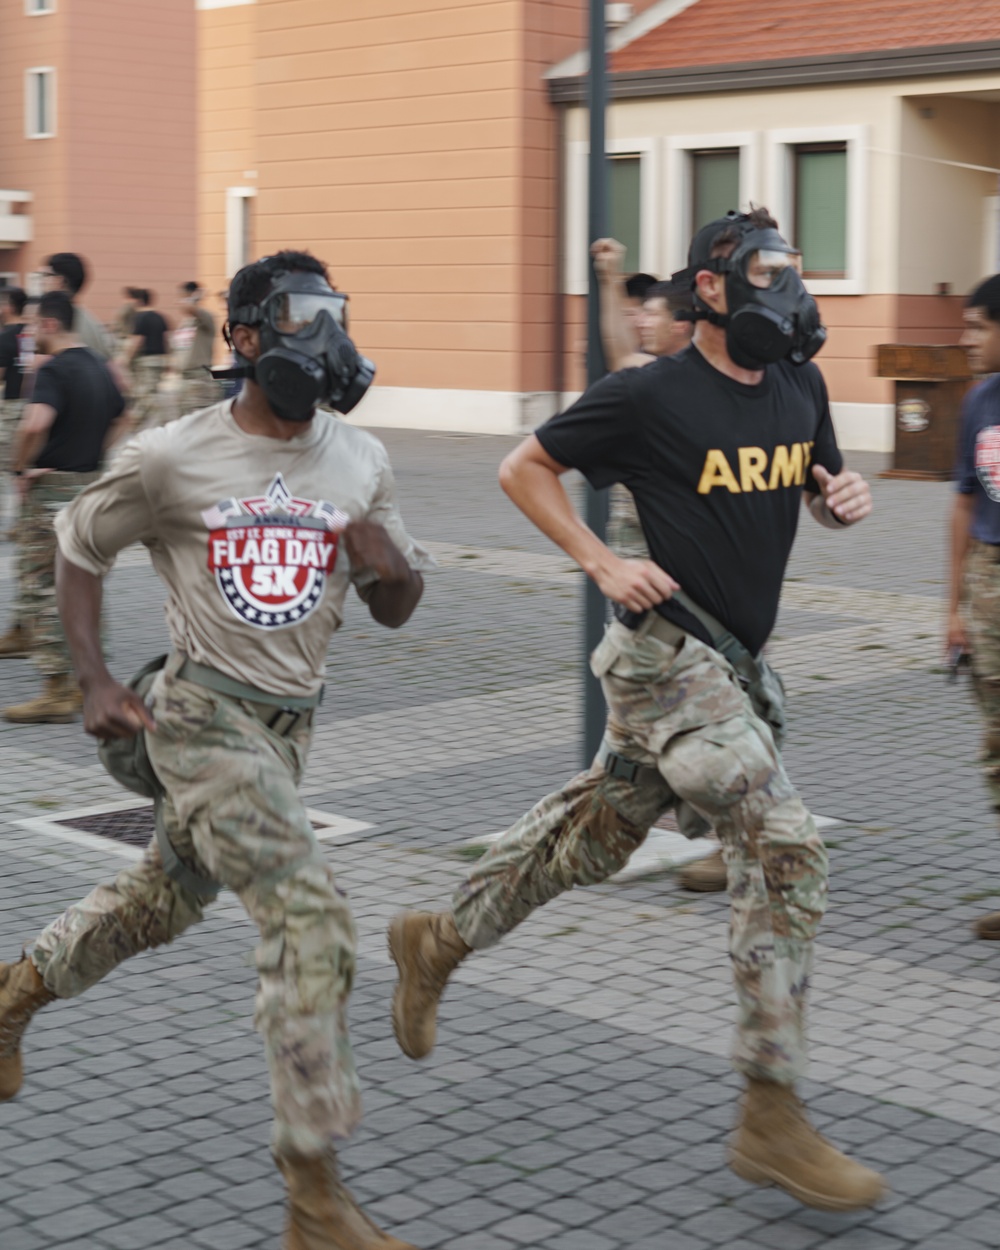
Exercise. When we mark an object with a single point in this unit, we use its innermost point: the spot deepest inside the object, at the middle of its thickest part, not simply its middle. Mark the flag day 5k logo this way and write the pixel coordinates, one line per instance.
(271, 555)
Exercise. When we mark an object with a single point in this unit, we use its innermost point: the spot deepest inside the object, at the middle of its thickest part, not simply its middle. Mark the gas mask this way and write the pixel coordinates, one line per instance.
(307, 358)
(771, 315)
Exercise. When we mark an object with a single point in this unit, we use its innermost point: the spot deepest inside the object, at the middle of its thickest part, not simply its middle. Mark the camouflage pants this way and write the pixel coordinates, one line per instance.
(625, 536)
(147, 373)
(677, 707)
(982, 578)
(232, 810)
(10, 418)
(36, 559)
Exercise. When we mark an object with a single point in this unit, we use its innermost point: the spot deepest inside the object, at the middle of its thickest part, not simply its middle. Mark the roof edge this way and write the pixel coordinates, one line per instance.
(658, 13)
(840, 67)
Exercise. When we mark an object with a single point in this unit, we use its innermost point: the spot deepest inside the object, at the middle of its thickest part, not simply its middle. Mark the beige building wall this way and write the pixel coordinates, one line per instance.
(923, 216)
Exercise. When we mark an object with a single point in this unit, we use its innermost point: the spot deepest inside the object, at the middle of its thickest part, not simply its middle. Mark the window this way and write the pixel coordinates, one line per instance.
(625, 212)
(239, 227)
(715, 184)
(40, 103)
(818, 190)
(820, 208)
(634, 213)
(34, 8)
(707, 175)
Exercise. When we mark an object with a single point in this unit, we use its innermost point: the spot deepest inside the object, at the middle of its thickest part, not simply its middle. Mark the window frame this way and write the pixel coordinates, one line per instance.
(236, 198)
(680, 182)
(782, 145)
(30, 9)
(648, 150)
(31, 119)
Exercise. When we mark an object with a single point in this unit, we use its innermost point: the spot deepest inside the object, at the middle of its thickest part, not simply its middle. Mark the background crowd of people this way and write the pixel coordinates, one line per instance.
(71, 389)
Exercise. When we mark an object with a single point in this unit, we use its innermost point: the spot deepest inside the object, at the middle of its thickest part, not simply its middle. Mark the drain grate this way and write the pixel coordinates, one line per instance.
(128, 825)
(133, 826)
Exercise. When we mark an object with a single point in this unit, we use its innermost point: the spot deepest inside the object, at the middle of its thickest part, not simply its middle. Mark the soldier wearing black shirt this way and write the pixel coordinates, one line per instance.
(147, 355)
(720, 446)
(58, 450)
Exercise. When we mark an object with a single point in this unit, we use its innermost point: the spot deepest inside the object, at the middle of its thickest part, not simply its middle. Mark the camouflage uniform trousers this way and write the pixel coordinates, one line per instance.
(626, 539)
(147, 373)
(982, 580)
(11, 411)
(678, 707)
(232, 810)
(37, 612)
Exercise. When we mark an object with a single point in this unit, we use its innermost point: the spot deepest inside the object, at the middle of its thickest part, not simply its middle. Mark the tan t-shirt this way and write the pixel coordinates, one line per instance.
(244, 531)
(91, 333)
(199, 354)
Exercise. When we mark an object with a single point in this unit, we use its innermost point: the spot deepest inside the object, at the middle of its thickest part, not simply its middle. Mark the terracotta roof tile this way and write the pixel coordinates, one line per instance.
(717, 32)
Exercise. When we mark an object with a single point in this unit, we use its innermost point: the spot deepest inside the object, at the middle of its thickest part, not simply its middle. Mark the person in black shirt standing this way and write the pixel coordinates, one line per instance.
(147, 354)
(73, 414)
(12, 302)
(12, 351)
(720, 445)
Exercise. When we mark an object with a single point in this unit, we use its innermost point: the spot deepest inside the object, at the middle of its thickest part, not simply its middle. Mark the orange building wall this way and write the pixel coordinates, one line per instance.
(413, 148)
(36, 165)
(132, 172)
(227, 138)
(117, 182)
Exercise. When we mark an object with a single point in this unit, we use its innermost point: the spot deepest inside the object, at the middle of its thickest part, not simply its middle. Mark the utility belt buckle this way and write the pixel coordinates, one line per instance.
(620, 768)
(281, 726)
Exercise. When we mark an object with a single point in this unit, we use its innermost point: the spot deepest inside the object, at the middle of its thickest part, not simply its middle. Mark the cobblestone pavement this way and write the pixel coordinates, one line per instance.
(580, 1097)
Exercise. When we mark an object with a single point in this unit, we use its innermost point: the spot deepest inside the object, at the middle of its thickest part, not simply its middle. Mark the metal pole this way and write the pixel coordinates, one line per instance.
(595, 608)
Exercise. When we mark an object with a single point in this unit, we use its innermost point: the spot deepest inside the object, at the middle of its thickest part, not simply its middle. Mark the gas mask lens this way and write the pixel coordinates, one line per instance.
(290, 312)
(764, 267)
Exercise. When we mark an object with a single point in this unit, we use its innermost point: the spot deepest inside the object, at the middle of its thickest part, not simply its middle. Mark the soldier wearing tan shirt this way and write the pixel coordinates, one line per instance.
(258, 513)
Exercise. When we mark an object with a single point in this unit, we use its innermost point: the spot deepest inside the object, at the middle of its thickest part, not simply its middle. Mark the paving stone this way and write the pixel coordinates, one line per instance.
(145, 1110)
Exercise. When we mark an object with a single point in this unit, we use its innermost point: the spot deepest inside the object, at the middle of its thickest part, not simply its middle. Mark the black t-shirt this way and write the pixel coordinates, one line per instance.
(10, 354)
(717, 470)
(153, 329)
(77, 384)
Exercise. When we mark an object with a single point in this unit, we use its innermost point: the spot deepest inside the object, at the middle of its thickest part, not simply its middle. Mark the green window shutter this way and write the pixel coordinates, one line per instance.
(715, 184)
(821, 208)
(625, 179)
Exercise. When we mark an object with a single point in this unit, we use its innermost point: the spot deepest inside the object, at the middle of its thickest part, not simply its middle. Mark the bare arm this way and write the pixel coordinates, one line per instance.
(110, 710)
(397, 592)
(132, 349)
(961, 538)
(32, 432)
(118, 374)
(619, 343)
(532, 480)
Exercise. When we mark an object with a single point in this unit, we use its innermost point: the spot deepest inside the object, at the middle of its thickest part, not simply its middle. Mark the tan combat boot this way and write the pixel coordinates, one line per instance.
(776, 1145)
(706, 876)
(988, 927)
(58, 704)
(14, 643)
(427, 948)
(22, 993)
(322, 1215)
